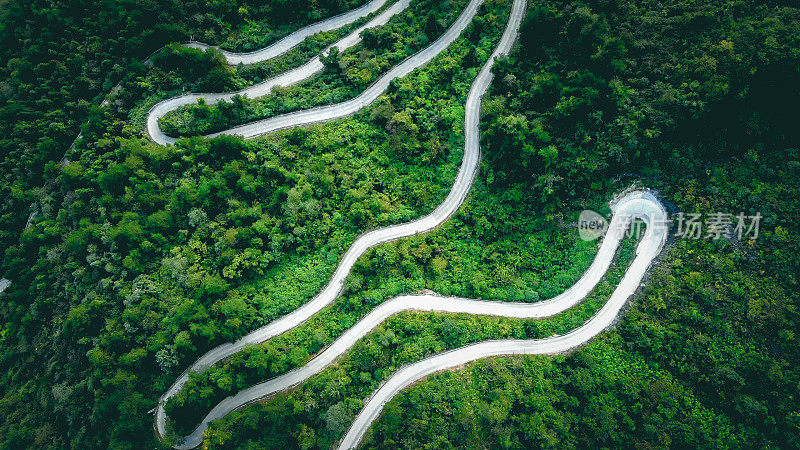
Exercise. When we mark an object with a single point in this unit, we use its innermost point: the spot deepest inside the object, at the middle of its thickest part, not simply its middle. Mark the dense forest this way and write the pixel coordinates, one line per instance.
(346, 74)
(139, 258)
(698, 100)
(59, 58)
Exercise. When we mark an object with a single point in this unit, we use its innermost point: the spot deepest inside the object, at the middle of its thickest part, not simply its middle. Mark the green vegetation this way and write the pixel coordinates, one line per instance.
(498, 260)
(58, 58)
(178, 69)
(706, 357)
(696, 101)
(599, 397)
(346, 74)
(143, 257)
(323, 407)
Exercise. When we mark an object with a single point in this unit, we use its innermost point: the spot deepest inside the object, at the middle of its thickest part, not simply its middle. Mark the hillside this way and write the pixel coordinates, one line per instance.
(458, 181)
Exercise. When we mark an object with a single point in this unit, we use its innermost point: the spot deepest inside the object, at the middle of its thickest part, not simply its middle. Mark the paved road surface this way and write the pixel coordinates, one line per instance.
(634, 205)
(637, 205)
(458, 193)
(289, 78)
(294, 39)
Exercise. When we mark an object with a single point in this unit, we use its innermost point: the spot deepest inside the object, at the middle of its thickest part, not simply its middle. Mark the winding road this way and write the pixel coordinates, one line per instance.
(641, 205)
(296, 38)
(634, 205)
(333, 289)
(285, 79)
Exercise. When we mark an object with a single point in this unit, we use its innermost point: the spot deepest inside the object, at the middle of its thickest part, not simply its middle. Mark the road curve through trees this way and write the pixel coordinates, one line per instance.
(285, 79)
(294, 39)
(639, 205)
(634, 205)
(451, 203)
